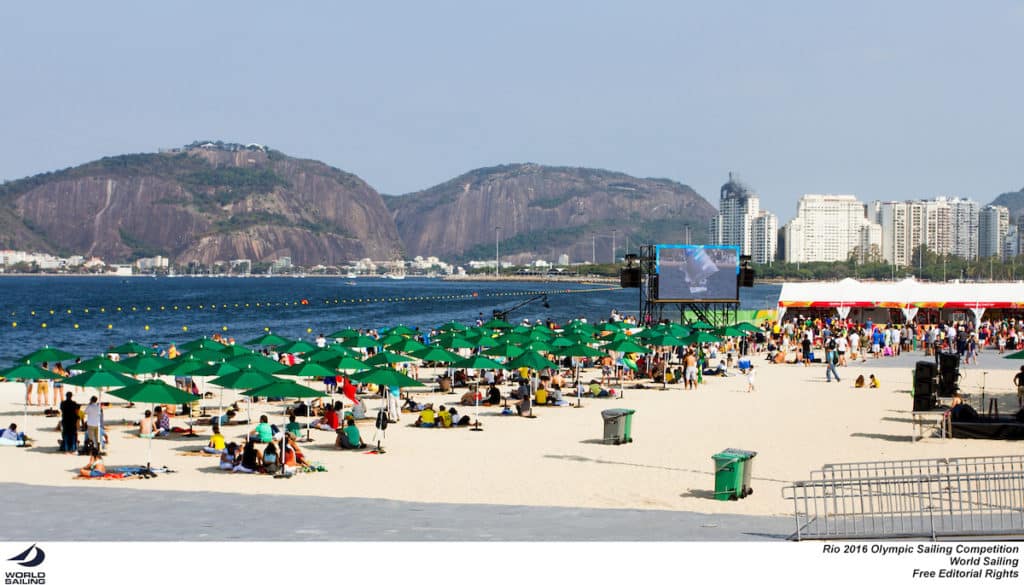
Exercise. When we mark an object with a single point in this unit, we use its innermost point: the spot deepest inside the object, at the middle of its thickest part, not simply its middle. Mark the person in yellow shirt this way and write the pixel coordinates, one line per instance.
(542, 395)
(172, 352)
(444, 418)
(427, 417)
(216, 444)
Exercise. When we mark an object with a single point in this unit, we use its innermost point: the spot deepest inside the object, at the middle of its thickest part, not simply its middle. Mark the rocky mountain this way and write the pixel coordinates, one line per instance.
(205, 202)
(546, 211)
(1014, 201)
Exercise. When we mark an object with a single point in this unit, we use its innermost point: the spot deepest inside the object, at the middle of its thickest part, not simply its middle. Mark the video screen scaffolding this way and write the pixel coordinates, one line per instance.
(702, 282)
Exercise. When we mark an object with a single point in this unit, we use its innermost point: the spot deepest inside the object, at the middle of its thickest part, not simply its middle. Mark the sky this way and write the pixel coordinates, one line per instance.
(884, 100)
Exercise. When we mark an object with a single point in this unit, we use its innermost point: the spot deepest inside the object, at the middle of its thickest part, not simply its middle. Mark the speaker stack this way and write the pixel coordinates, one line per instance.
(949, 374)
(925, 385)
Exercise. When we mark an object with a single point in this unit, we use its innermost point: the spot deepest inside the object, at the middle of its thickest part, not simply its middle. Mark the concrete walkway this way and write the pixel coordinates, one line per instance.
(35, 513)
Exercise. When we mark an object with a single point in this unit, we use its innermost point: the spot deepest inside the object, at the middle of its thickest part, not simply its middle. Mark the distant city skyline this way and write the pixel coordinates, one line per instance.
(885, 101)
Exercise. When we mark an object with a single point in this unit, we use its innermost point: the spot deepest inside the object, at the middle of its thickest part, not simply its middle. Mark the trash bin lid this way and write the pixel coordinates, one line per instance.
(726, 457)
(741, 453)
(616, 412)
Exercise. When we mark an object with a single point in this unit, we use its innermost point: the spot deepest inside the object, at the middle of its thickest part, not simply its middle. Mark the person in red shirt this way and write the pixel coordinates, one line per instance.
(329, 421)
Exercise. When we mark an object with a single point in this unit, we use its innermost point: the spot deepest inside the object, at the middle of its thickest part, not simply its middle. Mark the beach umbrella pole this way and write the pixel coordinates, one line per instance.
(579, 391)
(476, 424)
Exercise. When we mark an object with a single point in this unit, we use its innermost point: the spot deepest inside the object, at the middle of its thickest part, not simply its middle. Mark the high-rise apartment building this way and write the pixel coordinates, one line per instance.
(741, 222)
(908, 225)
(993, 224)
(831, 228)
(963, 221)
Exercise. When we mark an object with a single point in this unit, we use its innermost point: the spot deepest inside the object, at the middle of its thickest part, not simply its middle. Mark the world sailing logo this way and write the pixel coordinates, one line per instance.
(32, 556)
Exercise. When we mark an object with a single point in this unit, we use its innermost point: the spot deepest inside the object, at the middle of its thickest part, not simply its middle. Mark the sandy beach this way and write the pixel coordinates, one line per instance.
(794, 420)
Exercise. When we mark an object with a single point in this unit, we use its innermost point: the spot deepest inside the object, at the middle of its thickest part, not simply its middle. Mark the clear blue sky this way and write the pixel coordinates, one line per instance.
(880, 99)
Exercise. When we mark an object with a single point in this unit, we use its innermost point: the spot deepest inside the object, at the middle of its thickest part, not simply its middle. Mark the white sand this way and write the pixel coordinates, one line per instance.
(794, 420)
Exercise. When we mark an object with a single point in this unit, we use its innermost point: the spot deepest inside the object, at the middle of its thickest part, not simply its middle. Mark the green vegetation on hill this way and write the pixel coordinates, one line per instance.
(930, 267)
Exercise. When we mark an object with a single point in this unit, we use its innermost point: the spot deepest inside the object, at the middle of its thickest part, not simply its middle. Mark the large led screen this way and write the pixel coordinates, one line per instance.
(697, 273)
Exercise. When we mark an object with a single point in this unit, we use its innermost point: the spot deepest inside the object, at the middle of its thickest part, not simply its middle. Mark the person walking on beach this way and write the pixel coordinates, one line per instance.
(69, 424)
(750, 379)
(830, 367)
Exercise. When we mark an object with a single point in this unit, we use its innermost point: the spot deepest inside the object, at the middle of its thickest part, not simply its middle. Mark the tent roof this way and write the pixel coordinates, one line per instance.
(905, 293)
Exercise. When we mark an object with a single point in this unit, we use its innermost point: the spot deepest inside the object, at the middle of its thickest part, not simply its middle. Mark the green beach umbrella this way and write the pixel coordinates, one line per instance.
(343, 334)
(153, 392)
(267, 340)
(435, 354)
(308, 370)
(201, 343)
(505, 350)
(257, 362)
(666, 340)
(406, 346)
(701, 337)
(701, 325)
(231, 351)
(283, 389)
(183, 368)
(298, 346)
(748, 327)
(386, 358)
(455, 342)
(100, 363)
(132, 347)
(625, 346)
(386, 377)
(100, 378)
(531, 360)
(401, 330)
(579, 350)
(363, 341)
(244, 379)
(202, 355)
(452, 326)
(478, 362)
(390, 339)
(1018, 355)
(345, 363)
(47, 354)
(560, 342)
(729, 331)
(538, 345)
(145, 364)
(217, 369)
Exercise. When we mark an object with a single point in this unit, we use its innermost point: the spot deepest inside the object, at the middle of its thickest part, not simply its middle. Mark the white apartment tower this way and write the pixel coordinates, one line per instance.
(740, 222)
(993, 225)
(908, 225)
(831, 228)
(963, 227)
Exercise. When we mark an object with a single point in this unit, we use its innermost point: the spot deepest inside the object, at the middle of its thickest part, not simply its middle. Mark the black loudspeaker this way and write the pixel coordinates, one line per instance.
(747, 277)
(630, 277)
(924, 387)
(924, 370)
(949, 364)
(924, 402)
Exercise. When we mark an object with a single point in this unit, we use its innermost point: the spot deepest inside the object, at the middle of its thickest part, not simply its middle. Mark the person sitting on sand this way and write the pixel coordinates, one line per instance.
(597, 391)
(163, 422)
(348, 437)
(147, 426)
(359, 410)
(11, 436)
(329, 421)
(216, 444)
(263, 433)
(229, 457)
(427, 417)
(444, 418)
(293, 428)
(95, 466)
(223, 419)
(541, 397)
(251, 458)
(859, 382)
(470, 398)
(493, 396)
(873, 382)
(270, 457)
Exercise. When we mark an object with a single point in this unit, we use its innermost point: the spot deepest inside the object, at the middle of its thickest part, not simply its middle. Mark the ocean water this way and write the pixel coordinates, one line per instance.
(86, 315)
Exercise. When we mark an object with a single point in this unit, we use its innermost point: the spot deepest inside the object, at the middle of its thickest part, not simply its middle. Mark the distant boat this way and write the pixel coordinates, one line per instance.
(394, 276)
(350, 275)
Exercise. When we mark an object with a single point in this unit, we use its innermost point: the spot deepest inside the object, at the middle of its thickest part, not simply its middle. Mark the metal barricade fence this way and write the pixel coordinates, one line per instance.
(904, 467)
(972, 498)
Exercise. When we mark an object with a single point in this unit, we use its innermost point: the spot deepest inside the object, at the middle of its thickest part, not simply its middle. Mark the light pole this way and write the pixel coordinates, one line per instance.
(593, 248)
(613, 245)
(497, 255)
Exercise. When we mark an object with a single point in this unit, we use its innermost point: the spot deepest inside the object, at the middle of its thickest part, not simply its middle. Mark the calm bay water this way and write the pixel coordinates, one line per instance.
(111, 310)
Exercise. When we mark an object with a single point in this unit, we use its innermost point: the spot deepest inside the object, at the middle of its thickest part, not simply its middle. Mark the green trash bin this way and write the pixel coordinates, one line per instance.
(728, 476)
(618, 423)
(747, 458)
